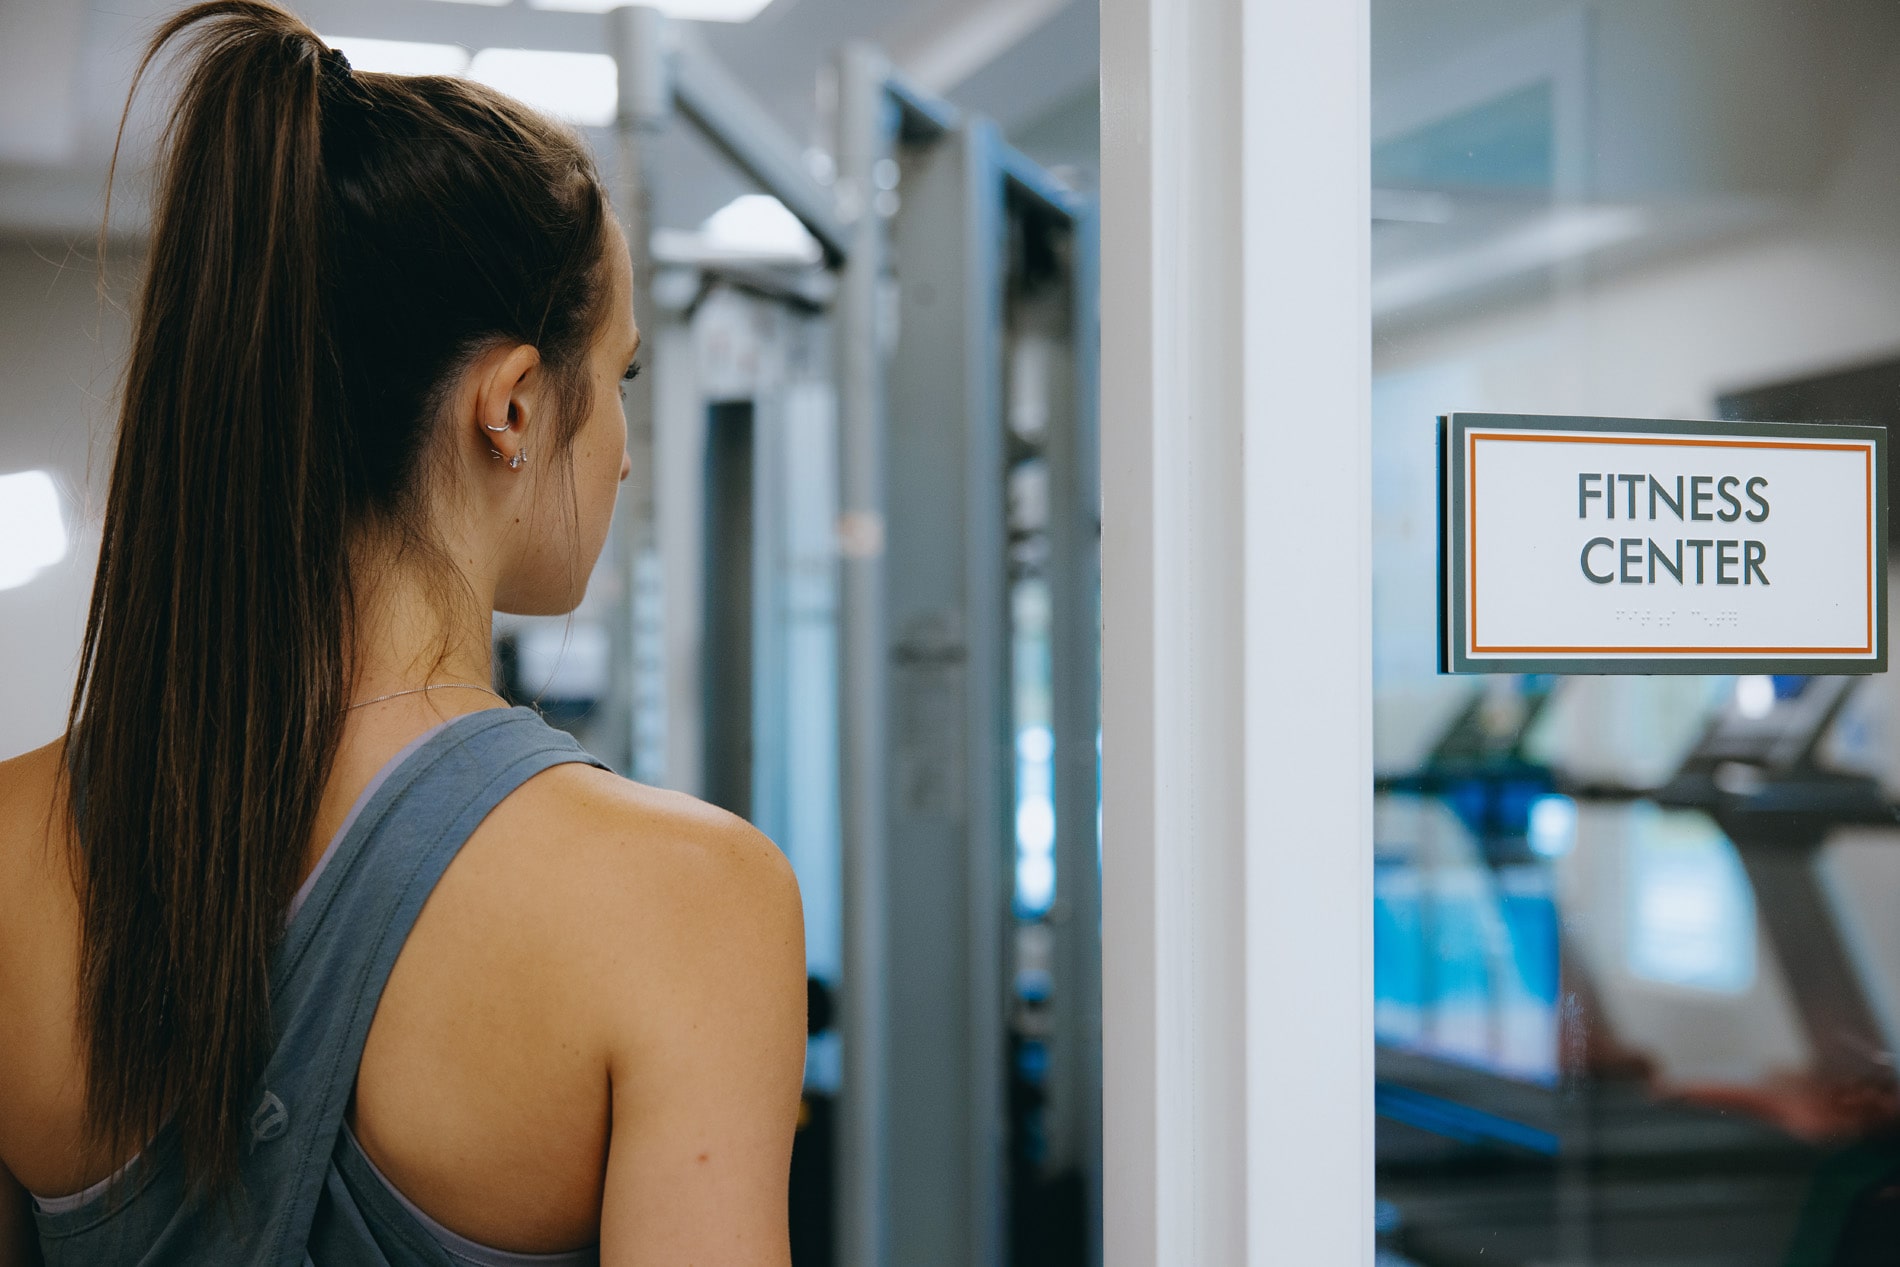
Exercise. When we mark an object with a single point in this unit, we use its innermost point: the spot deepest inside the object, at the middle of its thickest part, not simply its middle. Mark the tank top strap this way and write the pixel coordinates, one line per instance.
(327, 978)
(329, 973)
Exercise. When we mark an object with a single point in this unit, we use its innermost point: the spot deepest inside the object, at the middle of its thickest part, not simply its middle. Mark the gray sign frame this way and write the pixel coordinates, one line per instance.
(1453, 589)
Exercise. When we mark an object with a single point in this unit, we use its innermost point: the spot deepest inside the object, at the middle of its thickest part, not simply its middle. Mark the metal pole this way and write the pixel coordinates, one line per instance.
(749, 135)
(864, 136)
(638, 36)
(1075, 664)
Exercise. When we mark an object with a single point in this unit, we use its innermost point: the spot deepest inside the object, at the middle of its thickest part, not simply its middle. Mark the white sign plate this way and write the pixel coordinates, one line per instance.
(1618, 545)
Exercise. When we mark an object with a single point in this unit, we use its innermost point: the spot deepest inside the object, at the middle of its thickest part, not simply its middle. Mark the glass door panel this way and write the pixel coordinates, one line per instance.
(1637, 962)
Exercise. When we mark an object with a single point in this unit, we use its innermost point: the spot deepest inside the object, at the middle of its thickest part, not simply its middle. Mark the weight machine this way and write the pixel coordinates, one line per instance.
(854, 508)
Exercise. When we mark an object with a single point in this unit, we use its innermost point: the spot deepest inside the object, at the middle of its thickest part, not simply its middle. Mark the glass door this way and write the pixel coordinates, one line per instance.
(1636, 963)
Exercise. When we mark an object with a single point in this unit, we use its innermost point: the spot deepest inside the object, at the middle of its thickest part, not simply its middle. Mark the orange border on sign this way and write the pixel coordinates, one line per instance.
(1471, 538)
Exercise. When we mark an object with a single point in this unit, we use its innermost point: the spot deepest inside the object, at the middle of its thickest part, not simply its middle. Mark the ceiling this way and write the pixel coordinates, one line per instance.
(1513, 139)
(65, 66)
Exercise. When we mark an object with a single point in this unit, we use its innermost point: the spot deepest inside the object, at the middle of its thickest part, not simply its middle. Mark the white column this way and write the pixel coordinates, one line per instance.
(1236, 612)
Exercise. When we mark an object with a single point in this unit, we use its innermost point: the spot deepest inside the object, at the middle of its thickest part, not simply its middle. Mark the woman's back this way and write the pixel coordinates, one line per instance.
(373, 397)
(568, 1048)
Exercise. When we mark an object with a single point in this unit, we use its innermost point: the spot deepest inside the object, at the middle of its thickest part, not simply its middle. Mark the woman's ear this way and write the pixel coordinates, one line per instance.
(507, 400)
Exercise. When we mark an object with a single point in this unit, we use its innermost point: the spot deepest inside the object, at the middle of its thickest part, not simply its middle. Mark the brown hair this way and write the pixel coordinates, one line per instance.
(329, 248)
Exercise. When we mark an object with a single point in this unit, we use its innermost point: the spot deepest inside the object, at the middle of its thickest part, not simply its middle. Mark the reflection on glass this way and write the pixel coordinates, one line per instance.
(1637, 972)
(1465, 954)
(1691, 911)
(1553, 826)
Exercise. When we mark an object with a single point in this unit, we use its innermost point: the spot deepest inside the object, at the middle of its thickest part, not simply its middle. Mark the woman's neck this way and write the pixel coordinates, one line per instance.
(418, 625)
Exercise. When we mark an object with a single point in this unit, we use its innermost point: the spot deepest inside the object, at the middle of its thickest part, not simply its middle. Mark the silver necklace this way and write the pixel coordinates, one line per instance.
(417, 690)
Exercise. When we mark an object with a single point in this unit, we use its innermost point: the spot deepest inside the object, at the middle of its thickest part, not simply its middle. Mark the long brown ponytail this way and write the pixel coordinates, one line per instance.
(327, 249)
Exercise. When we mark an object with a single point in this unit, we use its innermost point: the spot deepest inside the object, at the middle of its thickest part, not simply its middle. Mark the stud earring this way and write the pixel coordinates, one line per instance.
(519, 460)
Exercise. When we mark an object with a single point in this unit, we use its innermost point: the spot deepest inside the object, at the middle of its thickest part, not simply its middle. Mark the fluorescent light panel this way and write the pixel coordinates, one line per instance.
(691, 10)
(400, 57)
(760, 225)
(582, 88)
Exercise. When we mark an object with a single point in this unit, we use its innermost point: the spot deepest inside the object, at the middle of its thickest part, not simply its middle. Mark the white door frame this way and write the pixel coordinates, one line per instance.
(1236, 600)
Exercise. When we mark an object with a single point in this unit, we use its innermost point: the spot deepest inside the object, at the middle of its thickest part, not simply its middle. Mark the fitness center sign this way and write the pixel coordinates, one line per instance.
(1618, 545)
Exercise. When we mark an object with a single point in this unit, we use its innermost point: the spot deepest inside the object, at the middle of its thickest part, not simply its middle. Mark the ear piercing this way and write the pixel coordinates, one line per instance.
(520, 458)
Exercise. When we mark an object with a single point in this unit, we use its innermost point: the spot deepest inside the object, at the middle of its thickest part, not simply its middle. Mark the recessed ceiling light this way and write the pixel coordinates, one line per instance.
(32, 534)
(582, 88)
(692, 10)
(400, 57)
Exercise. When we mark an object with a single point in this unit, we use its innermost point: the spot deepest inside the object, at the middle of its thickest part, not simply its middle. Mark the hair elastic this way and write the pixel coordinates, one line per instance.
(336, 64)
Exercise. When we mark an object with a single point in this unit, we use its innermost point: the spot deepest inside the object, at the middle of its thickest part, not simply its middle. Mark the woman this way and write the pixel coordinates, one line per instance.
(308, 944)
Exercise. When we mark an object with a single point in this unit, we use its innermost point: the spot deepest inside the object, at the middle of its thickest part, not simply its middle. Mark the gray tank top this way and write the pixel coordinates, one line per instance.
(308, 1194)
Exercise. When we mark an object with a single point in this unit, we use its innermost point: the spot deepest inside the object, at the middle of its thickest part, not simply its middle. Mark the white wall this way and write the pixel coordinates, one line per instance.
(61, 351)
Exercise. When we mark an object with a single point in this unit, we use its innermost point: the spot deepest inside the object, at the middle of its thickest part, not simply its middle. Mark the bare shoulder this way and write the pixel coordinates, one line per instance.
(31, 801)
(696, 963)
(39, 915)
(28, 784)
(629, 842)
(666, 902)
